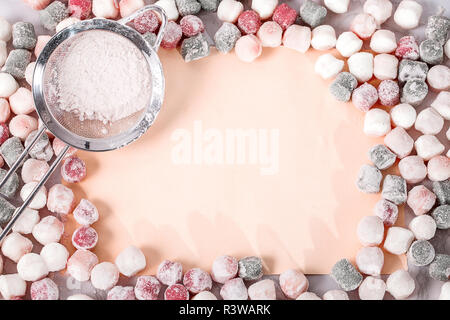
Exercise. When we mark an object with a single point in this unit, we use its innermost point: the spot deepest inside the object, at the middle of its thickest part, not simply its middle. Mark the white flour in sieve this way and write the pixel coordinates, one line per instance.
(102, 76)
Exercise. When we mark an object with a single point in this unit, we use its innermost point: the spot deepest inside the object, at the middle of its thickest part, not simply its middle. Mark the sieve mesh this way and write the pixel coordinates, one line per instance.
(71, 120)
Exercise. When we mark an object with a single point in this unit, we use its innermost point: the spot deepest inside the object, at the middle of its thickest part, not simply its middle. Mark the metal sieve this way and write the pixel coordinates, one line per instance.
(89, 135)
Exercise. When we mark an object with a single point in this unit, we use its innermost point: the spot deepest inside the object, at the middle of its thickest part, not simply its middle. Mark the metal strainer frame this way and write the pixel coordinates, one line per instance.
(91, 144)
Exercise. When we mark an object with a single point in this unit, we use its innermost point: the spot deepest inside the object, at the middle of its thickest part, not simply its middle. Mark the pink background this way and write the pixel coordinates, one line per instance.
(304, 216)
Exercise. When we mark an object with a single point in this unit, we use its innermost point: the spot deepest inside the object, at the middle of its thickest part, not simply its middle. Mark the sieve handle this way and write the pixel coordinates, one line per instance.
(33, 193)
(162, 14)
(21, 157)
